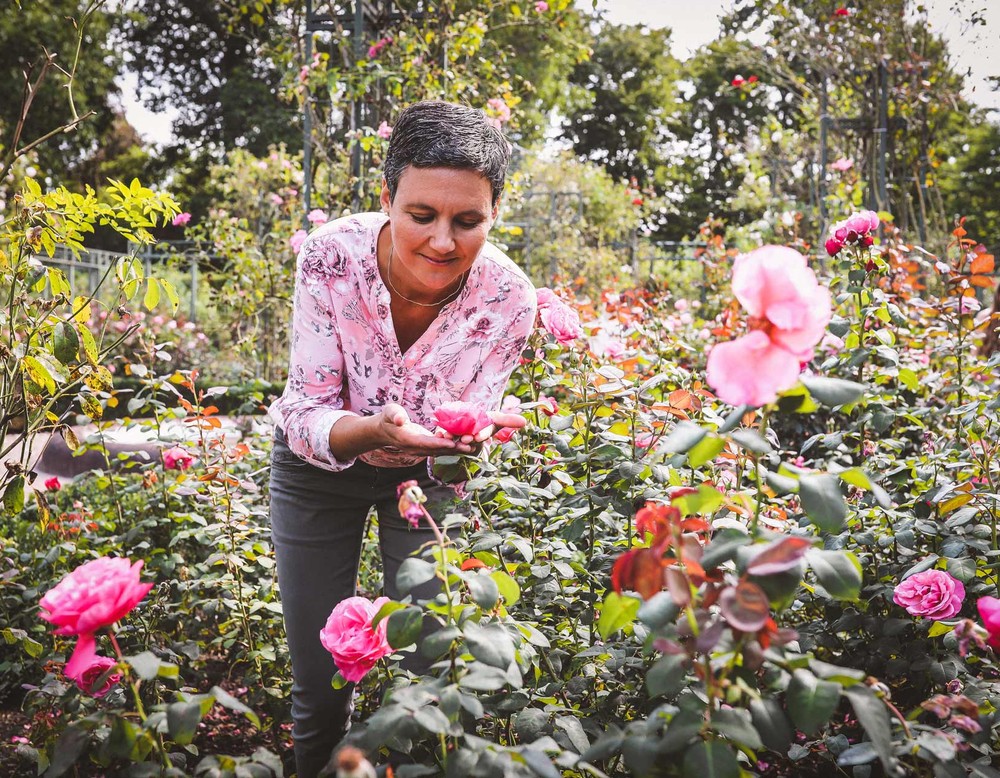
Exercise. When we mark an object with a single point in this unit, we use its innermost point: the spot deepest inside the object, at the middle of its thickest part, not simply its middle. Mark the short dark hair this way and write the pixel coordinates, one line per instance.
(434, 133)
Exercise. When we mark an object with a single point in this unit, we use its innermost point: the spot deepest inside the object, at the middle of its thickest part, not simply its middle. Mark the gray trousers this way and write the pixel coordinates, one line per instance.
(317, 527)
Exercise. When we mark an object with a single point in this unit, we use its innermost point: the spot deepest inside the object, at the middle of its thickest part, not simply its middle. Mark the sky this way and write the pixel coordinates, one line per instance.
(974, 48)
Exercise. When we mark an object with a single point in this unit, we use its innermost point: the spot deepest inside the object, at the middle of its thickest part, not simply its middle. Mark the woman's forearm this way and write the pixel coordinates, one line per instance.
(351, 436)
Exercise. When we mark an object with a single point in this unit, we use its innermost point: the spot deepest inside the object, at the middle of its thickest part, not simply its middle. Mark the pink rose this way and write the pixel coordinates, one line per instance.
(317, 216)
(504, 434)
(932, 594)
(546, 296)
(842, 164)
(548, 405)
(181, 219)
(297, 239)
(384, 131)
(862, 222)
(789, 312)
(989, 611)
(541, 6)
(561, 321)
(461, 418)
(52, 484)
(177, 458)
(603, 345)
(89, 678)
(350, 638)
(93, 596)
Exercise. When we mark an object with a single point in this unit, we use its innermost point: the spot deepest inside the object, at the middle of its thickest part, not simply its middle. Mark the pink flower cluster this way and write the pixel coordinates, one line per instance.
(297, 239)
(353, 643)
(93, 596)
(181, 219)
(376, 48)
(789, 311)
(558, 319)
(317, 217)
(497, 112)
(384, 131)
(932, 594)
(855, 229)
(739, 82)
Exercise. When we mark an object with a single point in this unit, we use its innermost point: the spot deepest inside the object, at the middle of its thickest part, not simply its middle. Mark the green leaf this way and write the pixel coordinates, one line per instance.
(771, 722)
(403, 627)
(387, 609)
(833, 391)
(705, 450)
(723, 547)
(171, 293)
(412, 573)
(939, 628)
(226, 700)
(751, 441)
(838, 572)
(70, 747)
(152, 296)
(432, 719)
(13, 496)
(489, 644)
(683, 437)
(908, 378)
(65, 342)
(484, 590)
(710, 759)
(617, 611)
(666, 676)
(736, 725)
(811, 702)
(822, 500)
(182, 721)
(508, 587)
(858, 477)
(658, 611)
(874, 717)
(146, 665)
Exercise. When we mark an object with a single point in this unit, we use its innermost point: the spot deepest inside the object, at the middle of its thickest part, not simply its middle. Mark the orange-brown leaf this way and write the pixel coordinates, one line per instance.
(983, 263)
(986, 282)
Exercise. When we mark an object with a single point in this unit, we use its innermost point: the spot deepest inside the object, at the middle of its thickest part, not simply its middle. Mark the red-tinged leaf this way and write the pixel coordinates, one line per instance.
(958, 232)
(780, 555)
(472, 564)
(745, 606)
(983, 263)
(209, 410)
(639, 570)
(678, 585)
(986, 282)
(694, 525)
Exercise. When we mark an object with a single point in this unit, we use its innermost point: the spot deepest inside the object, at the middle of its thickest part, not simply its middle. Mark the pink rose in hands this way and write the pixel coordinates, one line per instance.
(461, 418)
(932, 594)
(93, 596)
(989, 611)
(350, 638)
(177, 458)
(560, 321)
(90, 677)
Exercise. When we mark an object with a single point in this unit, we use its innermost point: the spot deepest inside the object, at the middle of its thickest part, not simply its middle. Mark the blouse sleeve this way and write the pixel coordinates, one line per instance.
(312, 402)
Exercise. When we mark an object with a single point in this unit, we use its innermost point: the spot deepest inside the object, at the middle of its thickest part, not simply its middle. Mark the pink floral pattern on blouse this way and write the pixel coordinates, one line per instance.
(345, 358)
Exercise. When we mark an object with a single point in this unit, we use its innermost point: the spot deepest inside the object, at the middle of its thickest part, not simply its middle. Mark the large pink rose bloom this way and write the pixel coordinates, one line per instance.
(932, 594)
(789, 312)
(461, 418)
(350, 638)
(989, 611)
(95, 595)
(560, 321)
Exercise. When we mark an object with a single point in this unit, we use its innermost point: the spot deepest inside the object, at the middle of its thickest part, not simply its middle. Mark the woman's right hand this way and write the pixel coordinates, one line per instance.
(399, 433)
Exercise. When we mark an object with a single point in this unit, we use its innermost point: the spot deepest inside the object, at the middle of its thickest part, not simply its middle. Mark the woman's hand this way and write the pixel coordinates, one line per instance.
(398, 432)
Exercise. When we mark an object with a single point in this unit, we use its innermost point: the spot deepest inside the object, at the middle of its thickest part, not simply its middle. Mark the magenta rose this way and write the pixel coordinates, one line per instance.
(560, 321)
(350, 638)
(93, 596)
(461, 418)
(989, 611)
(177, 458)
(89, 679)
(932, 594)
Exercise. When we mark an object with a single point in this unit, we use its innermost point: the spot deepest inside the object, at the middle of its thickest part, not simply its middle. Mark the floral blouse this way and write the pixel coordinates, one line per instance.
(345, 358)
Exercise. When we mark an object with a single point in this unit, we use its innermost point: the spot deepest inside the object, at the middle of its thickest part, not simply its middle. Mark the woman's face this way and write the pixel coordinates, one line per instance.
(439, 220)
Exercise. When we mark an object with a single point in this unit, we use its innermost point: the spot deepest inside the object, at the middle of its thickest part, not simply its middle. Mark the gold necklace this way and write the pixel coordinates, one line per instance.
(448, 299)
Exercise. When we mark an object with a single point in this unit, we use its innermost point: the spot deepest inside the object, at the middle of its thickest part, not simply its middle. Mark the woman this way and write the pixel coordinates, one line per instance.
(395, 313)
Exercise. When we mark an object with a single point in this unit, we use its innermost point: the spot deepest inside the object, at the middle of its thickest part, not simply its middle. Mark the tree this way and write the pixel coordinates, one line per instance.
(56, 61)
